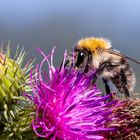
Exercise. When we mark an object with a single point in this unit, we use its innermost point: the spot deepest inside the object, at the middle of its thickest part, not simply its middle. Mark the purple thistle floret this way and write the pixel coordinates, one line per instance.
(68, 106)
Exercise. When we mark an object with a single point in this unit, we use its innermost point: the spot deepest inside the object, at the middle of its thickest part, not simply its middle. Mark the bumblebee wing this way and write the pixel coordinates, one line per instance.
(123, 55)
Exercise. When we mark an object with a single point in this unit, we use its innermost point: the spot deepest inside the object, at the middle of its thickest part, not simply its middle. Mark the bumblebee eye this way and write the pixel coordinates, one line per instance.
(80, 59)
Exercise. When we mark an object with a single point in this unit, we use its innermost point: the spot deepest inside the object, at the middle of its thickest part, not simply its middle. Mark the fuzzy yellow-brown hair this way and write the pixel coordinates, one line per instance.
(93, 44)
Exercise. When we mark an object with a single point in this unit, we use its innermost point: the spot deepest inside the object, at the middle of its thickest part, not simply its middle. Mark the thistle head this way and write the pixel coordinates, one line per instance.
(13, 82)
(13, 77)
(126, 120)
(67, 105)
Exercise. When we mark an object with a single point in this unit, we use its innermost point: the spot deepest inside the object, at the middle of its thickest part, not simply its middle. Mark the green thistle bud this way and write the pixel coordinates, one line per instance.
(15, 110)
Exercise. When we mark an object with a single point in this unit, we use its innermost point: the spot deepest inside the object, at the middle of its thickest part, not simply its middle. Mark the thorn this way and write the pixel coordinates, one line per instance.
(8, 51)
(28, 66)
(16, 54)
(1, 48)
(15, 58)
(11, 85)
(15, 72)
(4, 60)
(5, 71)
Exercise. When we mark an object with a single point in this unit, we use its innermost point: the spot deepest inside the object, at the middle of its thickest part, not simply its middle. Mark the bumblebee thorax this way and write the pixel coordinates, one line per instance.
(94, 44)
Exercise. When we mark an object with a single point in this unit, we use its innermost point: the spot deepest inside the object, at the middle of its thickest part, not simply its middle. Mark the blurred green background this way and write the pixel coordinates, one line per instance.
(45, 23)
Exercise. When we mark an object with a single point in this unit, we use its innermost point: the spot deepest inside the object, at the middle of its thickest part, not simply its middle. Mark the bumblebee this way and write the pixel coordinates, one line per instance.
(109, 64)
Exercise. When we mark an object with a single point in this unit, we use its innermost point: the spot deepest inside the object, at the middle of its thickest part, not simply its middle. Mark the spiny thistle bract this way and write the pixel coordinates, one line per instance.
(126, 120)
(68, 107)
(14, 114)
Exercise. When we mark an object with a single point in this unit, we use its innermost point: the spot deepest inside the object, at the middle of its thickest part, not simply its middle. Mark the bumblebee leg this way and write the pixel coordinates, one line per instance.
(98, 72)
(107, 88)
(101, 68)
(124, 84)
(61, 66)
(94, 79)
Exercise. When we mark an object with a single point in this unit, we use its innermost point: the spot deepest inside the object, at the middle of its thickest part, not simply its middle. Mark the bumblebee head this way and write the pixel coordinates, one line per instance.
(88, 49)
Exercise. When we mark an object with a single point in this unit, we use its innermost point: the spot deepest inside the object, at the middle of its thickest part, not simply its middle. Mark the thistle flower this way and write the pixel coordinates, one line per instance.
(126, 120)
(13, 82)
(68, 106)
